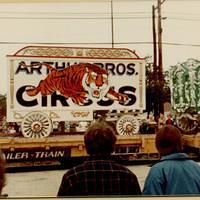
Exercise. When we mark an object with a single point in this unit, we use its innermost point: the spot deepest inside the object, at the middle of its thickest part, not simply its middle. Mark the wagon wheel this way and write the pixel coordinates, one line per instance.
(187, 124)
(127, 125)
(36, 125)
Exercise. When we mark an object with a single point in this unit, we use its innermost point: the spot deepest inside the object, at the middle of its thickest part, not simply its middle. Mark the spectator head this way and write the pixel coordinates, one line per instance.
(169, 140)
(169, 115)
(2, 172)
(100, 139)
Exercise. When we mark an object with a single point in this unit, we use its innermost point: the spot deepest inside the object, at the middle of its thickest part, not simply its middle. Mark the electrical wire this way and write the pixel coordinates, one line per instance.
(73, 18)
(183, 19)
(97, 43)
(95, 18)
(100, 15)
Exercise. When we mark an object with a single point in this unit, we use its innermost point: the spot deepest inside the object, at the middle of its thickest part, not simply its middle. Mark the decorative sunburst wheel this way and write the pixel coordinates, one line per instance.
(187, 123)
(127, 125)
(36, 125)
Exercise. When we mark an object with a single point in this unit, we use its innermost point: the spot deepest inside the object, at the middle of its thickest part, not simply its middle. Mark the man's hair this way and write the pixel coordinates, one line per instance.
(169, 140)
(2, 172)
(100, 139)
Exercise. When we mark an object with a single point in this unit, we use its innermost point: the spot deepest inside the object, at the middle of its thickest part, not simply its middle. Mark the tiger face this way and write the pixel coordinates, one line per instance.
(96, 84)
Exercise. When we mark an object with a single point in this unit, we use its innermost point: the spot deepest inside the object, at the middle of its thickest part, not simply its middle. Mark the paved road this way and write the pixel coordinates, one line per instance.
(46, 183)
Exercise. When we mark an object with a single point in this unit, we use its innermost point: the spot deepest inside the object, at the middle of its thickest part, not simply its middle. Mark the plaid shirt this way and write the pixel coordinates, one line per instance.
(99, 177)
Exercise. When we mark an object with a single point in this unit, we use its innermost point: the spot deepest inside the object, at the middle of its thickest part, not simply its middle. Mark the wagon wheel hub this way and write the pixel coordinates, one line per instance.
(127, 125)
(36, 126)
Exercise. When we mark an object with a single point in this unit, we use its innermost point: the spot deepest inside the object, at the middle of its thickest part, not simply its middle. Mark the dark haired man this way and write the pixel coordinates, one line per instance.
(99, 175)
(175, 173)
(2, 174)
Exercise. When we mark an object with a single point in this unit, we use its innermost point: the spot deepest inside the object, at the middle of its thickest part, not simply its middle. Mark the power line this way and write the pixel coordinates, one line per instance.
(97, 43)
(95, 18)
(116, 15)
(181, 44)
(73, 18)
(181, 13)
(73, 13)
(183, 19)
(95, 13)
(92, 13)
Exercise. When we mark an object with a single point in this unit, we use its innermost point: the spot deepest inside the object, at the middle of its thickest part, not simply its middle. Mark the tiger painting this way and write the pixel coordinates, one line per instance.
(80, 82)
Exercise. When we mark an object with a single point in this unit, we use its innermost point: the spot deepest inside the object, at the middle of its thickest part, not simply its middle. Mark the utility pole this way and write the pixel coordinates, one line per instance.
(160, 58)
(154, 44)
(112, 24)
(155, 77)
(158, 79)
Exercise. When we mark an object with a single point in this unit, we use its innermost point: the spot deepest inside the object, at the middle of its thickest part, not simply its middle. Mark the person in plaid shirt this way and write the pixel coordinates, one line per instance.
(99, 175)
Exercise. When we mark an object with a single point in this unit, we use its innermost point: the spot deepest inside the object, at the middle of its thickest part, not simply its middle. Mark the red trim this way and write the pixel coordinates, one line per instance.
(75, 57)
(18, 52)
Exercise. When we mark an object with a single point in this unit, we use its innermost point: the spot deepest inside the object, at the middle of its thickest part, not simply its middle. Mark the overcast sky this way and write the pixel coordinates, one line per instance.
(88, 23)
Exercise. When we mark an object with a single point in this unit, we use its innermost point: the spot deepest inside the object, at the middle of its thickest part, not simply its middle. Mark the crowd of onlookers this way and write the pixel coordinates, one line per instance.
(8, 127)
(174, 174)
(152, 124)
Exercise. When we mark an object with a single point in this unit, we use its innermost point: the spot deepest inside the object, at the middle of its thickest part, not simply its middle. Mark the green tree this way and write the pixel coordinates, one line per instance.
(166, 87)
(153, 89)
(2, 106)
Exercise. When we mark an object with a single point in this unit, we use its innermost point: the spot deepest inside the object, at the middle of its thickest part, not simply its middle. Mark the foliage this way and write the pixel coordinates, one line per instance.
(156, 95)
(2, 106)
